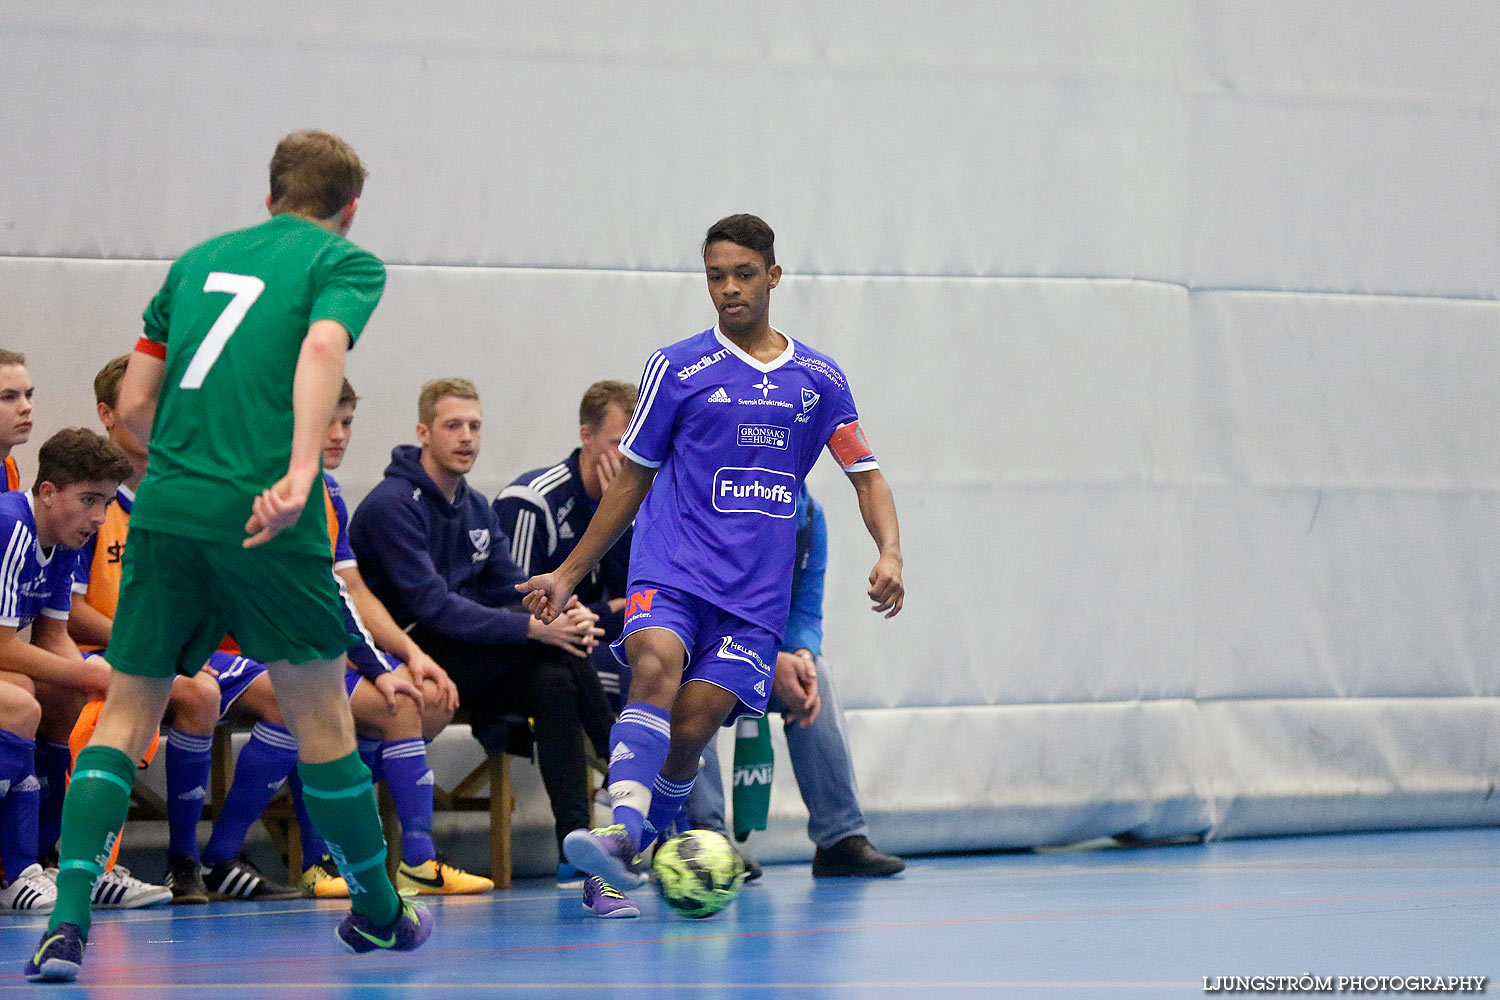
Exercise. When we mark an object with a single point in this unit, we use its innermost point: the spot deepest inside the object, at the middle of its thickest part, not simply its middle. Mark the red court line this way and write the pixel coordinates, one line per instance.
(1126, 911)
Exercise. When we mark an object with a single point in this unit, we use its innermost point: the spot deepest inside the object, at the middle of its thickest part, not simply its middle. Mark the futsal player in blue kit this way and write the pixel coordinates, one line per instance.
(728, 425)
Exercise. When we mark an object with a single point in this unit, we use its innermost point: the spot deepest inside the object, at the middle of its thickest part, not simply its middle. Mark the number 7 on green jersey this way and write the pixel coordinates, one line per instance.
(245, 289)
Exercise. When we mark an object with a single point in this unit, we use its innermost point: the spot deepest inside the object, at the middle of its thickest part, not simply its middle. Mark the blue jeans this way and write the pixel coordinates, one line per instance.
(823, 767)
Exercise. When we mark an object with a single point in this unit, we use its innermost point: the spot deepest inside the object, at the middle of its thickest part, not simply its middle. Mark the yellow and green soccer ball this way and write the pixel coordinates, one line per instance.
(698, 873)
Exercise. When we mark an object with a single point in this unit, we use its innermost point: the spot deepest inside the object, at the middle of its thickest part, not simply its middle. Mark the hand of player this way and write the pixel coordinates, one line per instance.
(584, 616)
(546, 596)
(424, 668)
(92, 676)
(886, 589)
(795, 685)
(276, 509)
(575, 630)
(392, 685)
(608, 467)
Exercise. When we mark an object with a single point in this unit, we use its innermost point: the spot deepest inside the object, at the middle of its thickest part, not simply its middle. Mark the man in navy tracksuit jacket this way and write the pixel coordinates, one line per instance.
(545, 512)
(433, 551)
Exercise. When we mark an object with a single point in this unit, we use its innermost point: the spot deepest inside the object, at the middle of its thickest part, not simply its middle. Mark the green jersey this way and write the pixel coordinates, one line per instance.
(229, 322)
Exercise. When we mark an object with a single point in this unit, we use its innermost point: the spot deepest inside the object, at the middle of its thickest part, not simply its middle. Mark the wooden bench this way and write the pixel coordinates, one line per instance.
(487, 787)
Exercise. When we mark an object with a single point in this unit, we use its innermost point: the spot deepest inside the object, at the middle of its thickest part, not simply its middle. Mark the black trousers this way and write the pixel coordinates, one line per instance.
(499, 687)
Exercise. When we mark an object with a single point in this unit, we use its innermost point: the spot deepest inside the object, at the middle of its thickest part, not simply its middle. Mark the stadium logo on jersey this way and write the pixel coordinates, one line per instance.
(719, 396)
(731, 650)
(763, 436)
(639, 602)
(481, 539)
(702, 363)
(755, 491)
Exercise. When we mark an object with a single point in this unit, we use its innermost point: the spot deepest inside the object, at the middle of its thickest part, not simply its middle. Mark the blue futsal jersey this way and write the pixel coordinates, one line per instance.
(733, 438)
(33, 581)
(364, 656)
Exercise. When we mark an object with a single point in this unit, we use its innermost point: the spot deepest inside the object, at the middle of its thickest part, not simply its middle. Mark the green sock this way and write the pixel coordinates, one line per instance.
(98, 799)
(341, 802)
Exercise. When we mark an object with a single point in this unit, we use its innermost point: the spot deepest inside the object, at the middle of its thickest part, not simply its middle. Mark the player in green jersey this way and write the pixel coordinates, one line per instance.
(232, 386)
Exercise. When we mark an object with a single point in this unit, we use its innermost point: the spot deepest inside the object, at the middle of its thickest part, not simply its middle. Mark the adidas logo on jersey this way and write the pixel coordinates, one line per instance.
(620, 752)
(192, 794)
(760, 688)
(719, 396)
(29, 784)
(427, 779)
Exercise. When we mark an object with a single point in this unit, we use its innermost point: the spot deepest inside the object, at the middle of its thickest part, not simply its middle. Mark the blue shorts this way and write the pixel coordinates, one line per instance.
(722, 649)
(236, 673)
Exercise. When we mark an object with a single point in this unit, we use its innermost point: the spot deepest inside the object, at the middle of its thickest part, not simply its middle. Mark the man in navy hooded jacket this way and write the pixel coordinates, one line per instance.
(433, 551)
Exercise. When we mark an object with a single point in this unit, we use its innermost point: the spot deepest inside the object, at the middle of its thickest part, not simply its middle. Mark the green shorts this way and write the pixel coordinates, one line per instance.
(180, 596)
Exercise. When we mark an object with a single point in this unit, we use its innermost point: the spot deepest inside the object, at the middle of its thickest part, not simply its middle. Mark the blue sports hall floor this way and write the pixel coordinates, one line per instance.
(1145, 922)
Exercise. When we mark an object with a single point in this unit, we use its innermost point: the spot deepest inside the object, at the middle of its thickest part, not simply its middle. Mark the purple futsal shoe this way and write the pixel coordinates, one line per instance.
(605, 851)
(59, 957)
(413, 926)
(603, 900)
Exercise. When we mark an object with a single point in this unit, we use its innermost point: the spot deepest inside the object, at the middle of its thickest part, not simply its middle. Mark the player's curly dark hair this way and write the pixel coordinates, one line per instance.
(748, 231)
(78, 455)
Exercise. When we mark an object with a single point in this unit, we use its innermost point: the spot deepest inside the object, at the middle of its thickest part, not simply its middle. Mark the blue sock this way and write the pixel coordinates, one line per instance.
(369, 755)
(189, 759)
(410, 781)
(667, 798)
(53, 762)
(638, 744)
(313, 845)
(263, 765)
(21, 803)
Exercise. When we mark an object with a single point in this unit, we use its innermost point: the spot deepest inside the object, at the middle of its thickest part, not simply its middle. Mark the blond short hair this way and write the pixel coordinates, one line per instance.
(439, 389)
(598, 397)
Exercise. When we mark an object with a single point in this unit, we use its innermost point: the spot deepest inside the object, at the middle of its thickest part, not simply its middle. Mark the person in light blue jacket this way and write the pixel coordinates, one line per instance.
(817, 740)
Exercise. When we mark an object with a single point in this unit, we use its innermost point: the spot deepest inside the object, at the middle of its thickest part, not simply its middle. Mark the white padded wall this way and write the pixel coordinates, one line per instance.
(1174, 326)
